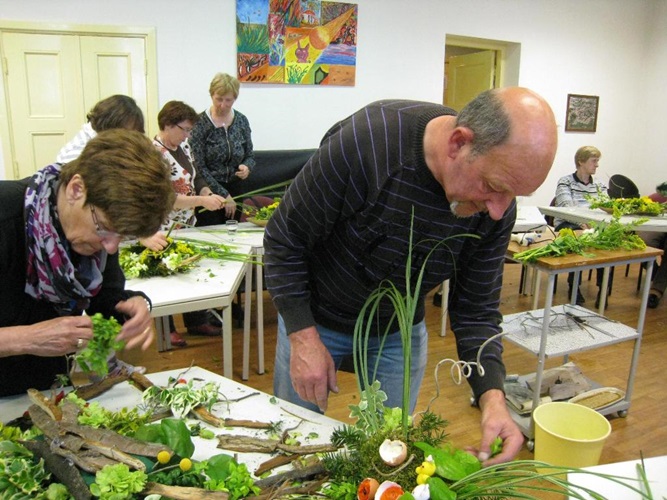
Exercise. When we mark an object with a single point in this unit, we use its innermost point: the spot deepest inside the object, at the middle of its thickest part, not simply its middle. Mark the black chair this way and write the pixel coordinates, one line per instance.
(622, 187)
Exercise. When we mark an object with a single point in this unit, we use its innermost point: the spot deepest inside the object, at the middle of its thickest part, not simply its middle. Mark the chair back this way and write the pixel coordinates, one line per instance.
(549, 218)
(622, 187)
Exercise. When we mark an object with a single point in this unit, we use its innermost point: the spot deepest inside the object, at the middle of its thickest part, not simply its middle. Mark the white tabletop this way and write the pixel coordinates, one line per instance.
(528, 219)
(584, 215)
(312, 428)
(211, 283)
(655, 470)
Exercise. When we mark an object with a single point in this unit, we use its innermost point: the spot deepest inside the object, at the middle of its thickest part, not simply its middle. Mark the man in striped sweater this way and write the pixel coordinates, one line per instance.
(394, 169)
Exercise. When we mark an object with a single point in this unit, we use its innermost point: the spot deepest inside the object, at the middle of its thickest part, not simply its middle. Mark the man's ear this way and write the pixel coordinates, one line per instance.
(459, 137)
(75, 189)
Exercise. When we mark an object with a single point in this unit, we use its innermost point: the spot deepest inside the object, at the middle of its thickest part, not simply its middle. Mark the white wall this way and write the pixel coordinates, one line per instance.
(616, 49)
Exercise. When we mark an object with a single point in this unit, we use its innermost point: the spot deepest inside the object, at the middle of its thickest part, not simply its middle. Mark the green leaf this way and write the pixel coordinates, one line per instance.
(451, 464)
(439, 490)
(218, 466)
(177, 437)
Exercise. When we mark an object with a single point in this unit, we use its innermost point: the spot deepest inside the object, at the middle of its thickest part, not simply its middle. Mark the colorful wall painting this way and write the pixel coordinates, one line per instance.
(298, 42)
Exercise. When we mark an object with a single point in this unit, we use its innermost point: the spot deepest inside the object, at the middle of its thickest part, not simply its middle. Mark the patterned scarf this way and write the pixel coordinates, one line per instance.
(51, 275)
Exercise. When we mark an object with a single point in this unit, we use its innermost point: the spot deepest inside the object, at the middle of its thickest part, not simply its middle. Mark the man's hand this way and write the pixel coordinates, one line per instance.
(311, 367)
(497, 422)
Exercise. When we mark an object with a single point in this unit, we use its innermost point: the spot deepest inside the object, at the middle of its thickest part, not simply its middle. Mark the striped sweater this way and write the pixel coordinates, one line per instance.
(571, 192)
(344, 226)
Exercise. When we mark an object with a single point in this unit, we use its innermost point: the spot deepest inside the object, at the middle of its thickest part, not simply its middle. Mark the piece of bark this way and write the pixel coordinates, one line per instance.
(115, 454)
(82, 462)
(250, 424)
(247, 444)
(93, 390)
(307, 488)
(44, 422)
(183, 492)
(204, 415)
(63, 469)
(273, 463)
(45, 404)
(112, 439)
(306, 449)
(291, 475)
(142, 382)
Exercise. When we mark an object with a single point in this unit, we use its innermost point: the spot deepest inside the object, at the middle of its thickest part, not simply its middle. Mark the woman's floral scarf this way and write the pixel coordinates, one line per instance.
(51, 275)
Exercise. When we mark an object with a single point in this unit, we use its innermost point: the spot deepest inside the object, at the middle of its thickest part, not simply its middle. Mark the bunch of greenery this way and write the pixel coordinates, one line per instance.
(179, 256)
(180, 398)
(261, 213)
(21, 476)
(124, 421)
(612, 235)
(93, 357)
(625, 206)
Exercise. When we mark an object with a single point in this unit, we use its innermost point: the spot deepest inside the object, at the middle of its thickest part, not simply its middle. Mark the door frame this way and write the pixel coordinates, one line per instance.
(508, 56)
(7, 168)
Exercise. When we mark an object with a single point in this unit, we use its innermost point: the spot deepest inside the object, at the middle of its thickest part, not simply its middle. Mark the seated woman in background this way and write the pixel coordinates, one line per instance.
(59, 236)
(117, 111)
(571, 191)
(657, 240)
(176, 120)
(222, 147)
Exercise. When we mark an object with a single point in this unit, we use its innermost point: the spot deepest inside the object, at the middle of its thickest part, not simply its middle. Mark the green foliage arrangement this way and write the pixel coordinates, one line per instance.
(93, 357)
(627, 206)
(612, 235)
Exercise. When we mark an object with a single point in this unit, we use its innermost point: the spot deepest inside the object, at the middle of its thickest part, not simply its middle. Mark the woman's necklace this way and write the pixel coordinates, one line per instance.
(223, 121)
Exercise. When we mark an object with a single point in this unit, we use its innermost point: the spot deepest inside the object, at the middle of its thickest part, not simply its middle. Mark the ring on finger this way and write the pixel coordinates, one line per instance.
(79, 343)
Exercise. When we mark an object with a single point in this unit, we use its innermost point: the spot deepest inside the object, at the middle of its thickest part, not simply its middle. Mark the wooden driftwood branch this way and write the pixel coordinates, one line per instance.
(273, 463)
(291, 475)
(93, 390)
(183, 492)
(63, 469)
(249, 444)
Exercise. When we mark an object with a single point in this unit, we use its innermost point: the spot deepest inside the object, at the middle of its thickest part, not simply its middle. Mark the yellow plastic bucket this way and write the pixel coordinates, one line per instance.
(569, 435)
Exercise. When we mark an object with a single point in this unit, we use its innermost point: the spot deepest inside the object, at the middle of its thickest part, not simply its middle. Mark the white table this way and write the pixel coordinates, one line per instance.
(313, 428)
(655, 468)
(528, 219)
(583, 215)
(211, 283)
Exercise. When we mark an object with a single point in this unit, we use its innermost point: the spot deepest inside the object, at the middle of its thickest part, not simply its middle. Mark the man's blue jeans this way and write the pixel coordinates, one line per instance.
(389, 370)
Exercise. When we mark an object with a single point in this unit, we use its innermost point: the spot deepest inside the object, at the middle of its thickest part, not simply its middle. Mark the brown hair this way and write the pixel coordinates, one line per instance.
(127, 178)
(117, 111)
(175, 112)
(223, 83)
(585, 153)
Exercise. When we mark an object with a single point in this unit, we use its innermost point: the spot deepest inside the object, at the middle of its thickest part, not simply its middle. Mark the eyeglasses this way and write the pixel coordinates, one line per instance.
(184, 129)
(101, 231)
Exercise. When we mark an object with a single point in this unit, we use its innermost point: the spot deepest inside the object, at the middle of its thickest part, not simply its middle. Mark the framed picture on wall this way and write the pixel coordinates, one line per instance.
(582, 113)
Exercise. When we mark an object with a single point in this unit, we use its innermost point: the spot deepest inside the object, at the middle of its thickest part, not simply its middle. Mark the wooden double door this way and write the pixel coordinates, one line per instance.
(53, 79)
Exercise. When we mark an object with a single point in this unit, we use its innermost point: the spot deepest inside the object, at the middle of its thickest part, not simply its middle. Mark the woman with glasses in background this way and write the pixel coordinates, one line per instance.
(176, 120)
